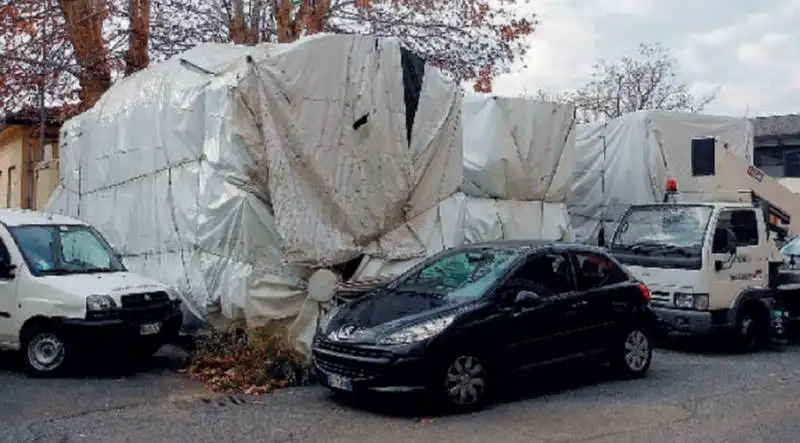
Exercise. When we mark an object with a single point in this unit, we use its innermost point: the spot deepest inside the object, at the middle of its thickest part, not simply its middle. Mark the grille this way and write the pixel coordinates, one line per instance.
(145, 307)
(660, 298)
(348, 364)
(144, 299)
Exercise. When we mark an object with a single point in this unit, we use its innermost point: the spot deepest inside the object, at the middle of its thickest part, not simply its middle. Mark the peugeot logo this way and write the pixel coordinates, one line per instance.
(347, 331)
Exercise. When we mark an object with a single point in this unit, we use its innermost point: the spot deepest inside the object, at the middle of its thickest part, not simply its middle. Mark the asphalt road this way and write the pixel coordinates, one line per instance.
(688, 397)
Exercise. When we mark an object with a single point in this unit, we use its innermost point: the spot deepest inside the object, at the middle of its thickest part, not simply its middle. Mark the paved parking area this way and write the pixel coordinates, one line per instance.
(688, 397)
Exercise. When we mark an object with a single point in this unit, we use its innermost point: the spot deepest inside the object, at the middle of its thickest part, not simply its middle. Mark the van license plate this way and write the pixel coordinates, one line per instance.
(339, 382)
(150, 328)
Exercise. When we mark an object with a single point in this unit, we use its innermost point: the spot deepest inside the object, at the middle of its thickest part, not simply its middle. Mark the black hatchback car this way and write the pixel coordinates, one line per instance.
(466, 318)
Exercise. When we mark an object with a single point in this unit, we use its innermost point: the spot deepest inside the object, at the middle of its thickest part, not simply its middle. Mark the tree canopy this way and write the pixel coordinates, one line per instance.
(76, 49)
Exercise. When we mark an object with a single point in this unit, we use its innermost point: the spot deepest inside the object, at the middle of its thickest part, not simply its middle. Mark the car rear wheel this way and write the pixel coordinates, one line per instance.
(466, 383)
(633, 354)
(46, 353)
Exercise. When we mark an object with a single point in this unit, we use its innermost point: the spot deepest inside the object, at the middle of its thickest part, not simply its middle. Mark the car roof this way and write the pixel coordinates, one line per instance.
(534, 245)
(21, 217)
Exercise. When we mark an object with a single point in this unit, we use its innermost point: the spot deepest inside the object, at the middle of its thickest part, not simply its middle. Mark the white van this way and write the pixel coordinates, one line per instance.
(64, 291)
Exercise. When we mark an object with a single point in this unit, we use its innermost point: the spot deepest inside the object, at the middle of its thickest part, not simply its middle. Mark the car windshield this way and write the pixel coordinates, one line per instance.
(463, 274)
(65, 249)
(663, 227)
(792, 248)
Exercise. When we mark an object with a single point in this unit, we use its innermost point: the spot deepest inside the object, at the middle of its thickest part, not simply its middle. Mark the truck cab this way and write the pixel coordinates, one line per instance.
(707, 265)
(65, 291)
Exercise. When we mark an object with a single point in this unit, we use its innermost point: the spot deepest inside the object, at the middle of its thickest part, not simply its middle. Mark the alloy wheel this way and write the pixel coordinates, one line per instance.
(637, 350)
(466, 381)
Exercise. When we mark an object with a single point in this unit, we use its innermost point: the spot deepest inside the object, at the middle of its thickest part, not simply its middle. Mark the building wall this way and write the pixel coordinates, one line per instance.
(18, 145)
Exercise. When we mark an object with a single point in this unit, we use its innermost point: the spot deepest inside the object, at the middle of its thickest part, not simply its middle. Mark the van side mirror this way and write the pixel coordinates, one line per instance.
(527, 298)
(6, 269)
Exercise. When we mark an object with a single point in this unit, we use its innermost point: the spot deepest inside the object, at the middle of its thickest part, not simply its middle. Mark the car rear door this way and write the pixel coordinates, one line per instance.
(604, 290)
(541, 333)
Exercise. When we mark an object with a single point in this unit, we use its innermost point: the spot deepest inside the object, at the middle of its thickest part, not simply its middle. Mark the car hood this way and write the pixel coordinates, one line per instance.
(388, 306)
(114, 284)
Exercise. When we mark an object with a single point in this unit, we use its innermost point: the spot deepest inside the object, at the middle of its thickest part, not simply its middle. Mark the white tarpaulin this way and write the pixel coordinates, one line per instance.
(627, 161)
(518, 165)
(206, 170)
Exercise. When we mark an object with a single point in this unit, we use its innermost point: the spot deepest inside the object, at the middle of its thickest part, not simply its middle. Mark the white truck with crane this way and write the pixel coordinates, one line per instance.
(709, 256)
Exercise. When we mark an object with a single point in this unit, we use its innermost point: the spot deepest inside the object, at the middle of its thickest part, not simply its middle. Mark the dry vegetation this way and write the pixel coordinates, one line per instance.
(253, 362)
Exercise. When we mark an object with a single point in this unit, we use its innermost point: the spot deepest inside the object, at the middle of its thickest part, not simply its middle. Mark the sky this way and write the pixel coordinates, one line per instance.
(744, 50)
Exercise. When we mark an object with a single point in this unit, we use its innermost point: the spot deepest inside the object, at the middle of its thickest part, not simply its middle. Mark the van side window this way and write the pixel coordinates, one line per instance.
(596, 271)
(743, 223)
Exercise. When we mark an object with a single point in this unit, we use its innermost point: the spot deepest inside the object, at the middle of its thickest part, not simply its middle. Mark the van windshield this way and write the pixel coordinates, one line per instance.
(65, 249)
(663, 229)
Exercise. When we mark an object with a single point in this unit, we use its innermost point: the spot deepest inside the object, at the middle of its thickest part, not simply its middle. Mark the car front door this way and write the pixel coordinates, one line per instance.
(540, 332)
(603, 290)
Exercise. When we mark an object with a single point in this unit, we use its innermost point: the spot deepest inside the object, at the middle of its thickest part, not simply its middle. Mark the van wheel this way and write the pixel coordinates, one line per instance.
(45, 351)
(752, 329)
(633, 354)
(466, 383)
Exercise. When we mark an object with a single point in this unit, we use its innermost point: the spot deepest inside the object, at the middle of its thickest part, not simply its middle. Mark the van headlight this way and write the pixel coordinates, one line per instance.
(692, 301)
(419, 332)
(100, 302)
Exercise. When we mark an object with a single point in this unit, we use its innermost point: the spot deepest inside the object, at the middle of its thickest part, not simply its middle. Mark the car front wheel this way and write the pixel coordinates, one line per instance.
(633, 354)
(465, 384)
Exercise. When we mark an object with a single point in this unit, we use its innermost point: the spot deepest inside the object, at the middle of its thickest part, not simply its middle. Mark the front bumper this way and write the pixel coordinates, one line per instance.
(690, 322)
(122, 328)
(358, 368)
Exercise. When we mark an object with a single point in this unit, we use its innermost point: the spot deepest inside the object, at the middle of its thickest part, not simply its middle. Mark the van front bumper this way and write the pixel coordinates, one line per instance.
(690, 322)
(160, 328)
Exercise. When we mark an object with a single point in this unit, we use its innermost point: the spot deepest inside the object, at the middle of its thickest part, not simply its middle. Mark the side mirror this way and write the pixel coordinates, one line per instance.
(527, 298)
(6, 269)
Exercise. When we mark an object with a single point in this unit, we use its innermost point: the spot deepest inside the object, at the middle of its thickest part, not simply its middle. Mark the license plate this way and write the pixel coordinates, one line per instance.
(339, 382)
(150, 328)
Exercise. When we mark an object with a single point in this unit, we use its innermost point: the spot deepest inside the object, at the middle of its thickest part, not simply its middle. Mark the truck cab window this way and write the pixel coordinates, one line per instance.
(743, 223)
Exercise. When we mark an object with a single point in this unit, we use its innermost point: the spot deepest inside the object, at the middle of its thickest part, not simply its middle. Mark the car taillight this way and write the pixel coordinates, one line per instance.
(645, 291)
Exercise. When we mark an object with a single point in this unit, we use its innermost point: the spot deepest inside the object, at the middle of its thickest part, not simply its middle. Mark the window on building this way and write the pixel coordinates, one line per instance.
(770, 160)
(10, 186)
(792, 163)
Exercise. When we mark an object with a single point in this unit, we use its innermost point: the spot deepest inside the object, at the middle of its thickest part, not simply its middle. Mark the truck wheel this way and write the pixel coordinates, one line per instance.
(752, 329)
(46, 352)
(632, 354)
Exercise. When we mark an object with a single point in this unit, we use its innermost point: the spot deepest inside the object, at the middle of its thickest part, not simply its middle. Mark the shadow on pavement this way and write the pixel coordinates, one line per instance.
(109, 364)
(537, 384)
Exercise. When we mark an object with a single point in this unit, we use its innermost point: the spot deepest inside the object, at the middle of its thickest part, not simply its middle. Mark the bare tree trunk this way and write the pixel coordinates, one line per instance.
(254, 33)
(137, 57)
(84, 24)
(237, 26)
(311, 17)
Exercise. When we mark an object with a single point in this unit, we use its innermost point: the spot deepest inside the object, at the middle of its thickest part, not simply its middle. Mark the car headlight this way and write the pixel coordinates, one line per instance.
(692, 301)
(100, 302)
(326, 318)
(419, 332)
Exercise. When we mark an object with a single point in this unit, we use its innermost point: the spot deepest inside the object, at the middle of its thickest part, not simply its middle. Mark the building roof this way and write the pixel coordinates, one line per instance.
(19, 217)
(776, 125)
(31, 116)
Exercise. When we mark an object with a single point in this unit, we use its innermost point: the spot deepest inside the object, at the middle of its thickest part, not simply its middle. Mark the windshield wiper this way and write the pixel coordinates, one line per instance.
(56, 271)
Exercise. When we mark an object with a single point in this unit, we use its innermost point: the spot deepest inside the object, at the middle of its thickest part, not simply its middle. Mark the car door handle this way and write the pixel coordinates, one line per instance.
(580, 304)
